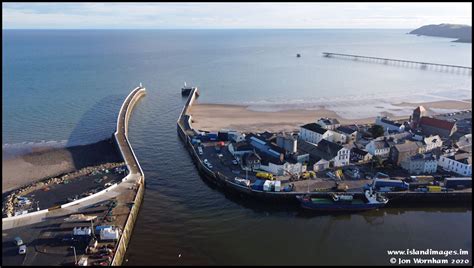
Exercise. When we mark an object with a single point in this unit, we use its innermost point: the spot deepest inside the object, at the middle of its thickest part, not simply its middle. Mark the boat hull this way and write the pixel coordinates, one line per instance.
(339, 206)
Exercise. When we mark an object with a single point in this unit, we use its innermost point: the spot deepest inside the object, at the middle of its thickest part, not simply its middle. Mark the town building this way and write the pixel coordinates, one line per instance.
(431, 143)
(459, 162)
(280, 168)
(420, 164)
(379, 147)
(418, 113)
(329, 123)
(359, 156)
(288, 142)
(465, 143)
(349, 131)
(434, 126)
(314, 133)
(389, 125)
(239, 148)
(400, 152)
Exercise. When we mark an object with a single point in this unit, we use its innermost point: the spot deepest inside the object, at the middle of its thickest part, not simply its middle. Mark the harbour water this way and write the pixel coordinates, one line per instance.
(67, 86)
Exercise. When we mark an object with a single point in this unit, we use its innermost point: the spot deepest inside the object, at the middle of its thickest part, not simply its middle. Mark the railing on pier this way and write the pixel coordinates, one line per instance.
(422, 65)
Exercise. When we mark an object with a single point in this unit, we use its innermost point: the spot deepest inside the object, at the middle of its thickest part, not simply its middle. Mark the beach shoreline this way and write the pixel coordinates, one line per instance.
(213, 117)
(44, 162)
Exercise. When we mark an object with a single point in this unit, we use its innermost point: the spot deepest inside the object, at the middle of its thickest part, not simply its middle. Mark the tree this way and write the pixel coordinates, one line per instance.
(376, 131)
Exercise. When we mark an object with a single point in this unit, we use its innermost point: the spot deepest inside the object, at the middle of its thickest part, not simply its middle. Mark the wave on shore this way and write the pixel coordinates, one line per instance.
(359, 107)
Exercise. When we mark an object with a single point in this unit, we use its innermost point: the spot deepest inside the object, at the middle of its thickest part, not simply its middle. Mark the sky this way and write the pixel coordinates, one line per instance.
(231, 15)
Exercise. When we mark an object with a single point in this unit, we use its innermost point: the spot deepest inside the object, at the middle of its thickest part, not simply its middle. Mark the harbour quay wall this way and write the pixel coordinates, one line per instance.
(135, 171)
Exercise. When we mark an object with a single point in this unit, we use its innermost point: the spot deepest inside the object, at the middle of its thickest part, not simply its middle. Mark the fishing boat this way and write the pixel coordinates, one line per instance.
(343, 202)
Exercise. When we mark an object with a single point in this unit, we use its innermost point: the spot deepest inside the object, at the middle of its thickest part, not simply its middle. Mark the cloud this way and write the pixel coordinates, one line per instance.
(231, 15)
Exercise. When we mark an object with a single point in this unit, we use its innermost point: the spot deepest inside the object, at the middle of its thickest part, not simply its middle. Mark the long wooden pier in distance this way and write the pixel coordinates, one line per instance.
(408, 63)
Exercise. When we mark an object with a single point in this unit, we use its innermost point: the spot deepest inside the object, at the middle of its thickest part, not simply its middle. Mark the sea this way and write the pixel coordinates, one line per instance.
(65, 87)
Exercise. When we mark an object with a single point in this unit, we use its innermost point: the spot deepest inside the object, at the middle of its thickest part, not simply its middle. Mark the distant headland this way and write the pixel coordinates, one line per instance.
(463, 33)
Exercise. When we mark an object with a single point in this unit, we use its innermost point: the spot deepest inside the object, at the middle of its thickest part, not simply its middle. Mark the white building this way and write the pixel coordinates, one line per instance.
(282, 168)
(314, 133)
(329, 123)
(389, 125)
(431, 143)
(459, 162)
(420, 164)
(378, 147)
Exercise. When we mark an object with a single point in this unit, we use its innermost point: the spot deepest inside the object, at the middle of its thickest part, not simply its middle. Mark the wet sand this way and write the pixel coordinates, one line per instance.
(213, 117)
(48, 162)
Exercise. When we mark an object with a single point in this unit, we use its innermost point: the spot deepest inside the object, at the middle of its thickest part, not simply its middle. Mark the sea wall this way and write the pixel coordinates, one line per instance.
(132, 163)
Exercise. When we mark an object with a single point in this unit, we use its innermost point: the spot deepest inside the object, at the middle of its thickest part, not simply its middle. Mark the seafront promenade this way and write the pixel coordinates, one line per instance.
(125, 196)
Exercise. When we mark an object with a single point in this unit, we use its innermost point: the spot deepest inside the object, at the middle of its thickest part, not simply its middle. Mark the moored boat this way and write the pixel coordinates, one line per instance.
(343, 202)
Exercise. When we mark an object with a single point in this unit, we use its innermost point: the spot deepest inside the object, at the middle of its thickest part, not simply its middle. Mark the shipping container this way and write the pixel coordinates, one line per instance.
(277, 186)
(258, 185)
(458, 183)
(434, 188)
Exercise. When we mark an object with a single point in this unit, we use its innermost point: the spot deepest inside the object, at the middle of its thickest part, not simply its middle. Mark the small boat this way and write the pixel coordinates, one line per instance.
(186, 90)
(298, 55)
(343, 202)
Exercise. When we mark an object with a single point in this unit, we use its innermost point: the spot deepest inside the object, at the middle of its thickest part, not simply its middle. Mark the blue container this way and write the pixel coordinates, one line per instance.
(258, 185)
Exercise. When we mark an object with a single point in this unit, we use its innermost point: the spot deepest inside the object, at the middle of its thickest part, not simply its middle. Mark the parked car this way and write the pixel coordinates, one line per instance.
(235, 162)
(200, 150)
(22, 250)
(18, 241)
(207, 163)
(331, 174)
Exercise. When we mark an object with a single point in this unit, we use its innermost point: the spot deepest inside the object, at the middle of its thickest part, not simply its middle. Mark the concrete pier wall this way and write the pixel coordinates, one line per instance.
(121, 139)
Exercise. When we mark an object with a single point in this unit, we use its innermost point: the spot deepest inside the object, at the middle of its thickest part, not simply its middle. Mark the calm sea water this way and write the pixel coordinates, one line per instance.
(65, 88)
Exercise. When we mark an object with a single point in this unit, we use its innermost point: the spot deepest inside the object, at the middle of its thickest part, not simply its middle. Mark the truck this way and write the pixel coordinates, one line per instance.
(395, 185)
(460, 182)
(264, 175)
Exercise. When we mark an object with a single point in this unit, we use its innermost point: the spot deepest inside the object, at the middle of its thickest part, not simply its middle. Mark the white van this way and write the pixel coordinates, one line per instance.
(18, 241)
(22, 250)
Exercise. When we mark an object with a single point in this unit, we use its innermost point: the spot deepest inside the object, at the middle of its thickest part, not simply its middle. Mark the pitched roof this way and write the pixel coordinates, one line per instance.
(437, 123)
(329, 121)
(346, 129)
(381, 144)
(315, 128)
(406, 147)
(328, 150)
(358, 151)
(390, 122)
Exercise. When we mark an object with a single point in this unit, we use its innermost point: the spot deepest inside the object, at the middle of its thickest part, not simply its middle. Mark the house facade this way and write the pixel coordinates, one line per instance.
(434, 126)
(378, 147)
(400, 152)
(314, 133)
(420, 164)
(389, 125)
(459, 162)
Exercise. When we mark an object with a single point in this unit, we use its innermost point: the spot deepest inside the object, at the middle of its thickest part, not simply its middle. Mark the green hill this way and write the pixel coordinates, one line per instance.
(463, 33)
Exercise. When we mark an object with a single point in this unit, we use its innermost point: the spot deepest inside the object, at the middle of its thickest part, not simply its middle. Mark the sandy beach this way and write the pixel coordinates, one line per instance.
(213, 117)
(48, 162)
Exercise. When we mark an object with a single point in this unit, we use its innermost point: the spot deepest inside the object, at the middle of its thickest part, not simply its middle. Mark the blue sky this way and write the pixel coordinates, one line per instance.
(230, 15)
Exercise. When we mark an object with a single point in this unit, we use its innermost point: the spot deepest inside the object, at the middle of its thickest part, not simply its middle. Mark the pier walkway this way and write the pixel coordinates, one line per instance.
(407, 63)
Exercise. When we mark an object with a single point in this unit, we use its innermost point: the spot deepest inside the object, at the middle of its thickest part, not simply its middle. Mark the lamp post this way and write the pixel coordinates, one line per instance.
(75, 256)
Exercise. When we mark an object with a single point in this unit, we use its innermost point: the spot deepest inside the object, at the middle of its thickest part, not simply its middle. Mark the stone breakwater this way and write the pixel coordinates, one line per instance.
(12, 199)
